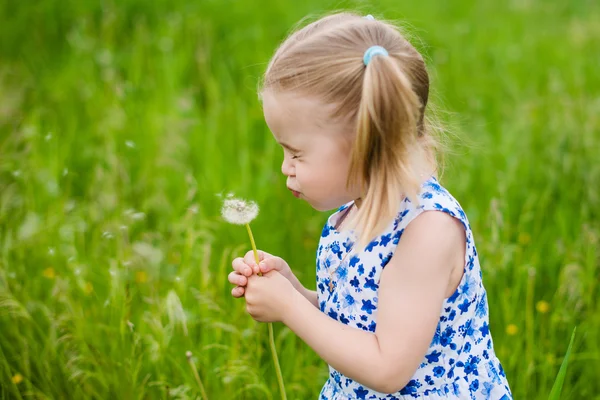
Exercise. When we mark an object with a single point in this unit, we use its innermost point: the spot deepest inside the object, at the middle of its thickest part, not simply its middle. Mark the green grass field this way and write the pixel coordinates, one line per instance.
(121, 121)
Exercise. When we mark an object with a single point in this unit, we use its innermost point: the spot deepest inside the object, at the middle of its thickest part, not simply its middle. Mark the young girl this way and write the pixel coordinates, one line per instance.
(400, 311)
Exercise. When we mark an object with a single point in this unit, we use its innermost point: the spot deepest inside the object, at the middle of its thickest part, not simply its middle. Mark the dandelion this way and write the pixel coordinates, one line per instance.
(524, 238)
(49, 273)
(241, 212)
(188, 354)
(542, 306)
(512, 329)
(138, 216)
(141, 276)
(17, 378)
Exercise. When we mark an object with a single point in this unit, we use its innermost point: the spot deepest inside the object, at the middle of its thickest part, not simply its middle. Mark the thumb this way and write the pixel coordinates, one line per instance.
(269, 264)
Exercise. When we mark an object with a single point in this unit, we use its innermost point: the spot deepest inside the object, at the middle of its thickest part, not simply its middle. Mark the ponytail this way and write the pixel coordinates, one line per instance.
(382, 166)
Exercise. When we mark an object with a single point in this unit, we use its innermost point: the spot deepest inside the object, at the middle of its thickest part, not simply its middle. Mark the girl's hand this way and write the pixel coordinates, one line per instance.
(245, 267)
(269, 297)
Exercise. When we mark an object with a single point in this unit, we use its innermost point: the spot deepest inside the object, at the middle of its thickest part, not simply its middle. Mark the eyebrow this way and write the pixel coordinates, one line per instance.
(290, 148)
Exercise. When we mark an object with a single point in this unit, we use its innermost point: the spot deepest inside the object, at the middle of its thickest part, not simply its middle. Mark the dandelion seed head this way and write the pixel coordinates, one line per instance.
(239, 212)
(138, 216)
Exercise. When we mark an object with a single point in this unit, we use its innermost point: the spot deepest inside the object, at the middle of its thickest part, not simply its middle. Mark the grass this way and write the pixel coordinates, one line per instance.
(121, 121)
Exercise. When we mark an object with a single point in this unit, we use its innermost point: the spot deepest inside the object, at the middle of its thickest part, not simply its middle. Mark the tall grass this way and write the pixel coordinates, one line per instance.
(120, 121)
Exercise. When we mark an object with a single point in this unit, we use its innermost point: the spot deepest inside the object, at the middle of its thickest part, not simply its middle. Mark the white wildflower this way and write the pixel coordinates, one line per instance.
(239, 212)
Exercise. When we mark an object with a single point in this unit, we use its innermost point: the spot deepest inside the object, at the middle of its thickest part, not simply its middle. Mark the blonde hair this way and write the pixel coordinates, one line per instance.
(385, 101)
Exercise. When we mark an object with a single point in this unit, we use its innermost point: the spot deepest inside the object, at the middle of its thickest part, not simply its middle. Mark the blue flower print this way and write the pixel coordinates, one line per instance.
(481, 309)
(438, 371)
(361, 393)
(368, 307)
(433, 357)
(493, 373)
(344, 320)
(434, 186)
(385, 259)
(371, 245)
(348, 301)
(474, 385)
(333, 314)
(464, 306)
(397, 236)
(446, 337)
(470, 366)
(385, 239)
(361, 269)
(460, 362)
(341, 274)
(372, 326)
(370, 284)
(348, 244)
(373, 272)
(411, 387)
(354, 260)
(467, 289)
(335, 249)
(485, 329)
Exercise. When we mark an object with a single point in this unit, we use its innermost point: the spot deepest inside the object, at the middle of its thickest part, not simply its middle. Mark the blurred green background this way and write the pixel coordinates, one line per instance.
(121, 121)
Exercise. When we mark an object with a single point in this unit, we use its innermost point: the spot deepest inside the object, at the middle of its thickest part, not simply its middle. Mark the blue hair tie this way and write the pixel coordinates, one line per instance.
(372, 52)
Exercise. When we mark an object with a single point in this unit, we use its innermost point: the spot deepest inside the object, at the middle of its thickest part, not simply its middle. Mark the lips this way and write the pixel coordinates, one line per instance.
(295, 193)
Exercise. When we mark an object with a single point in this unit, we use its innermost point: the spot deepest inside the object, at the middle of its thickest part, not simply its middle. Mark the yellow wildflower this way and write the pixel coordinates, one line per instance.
(524, 238)
(49, 273)
(542, 306)
(141, 276)
(18, 378)
(88, 288)
(512, 329)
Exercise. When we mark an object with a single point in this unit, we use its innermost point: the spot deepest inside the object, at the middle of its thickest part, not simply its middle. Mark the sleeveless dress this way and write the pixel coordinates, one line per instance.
(460, 362)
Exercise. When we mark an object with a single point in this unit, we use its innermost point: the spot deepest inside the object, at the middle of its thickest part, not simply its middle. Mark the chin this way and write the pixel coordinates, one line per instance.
(326, 207)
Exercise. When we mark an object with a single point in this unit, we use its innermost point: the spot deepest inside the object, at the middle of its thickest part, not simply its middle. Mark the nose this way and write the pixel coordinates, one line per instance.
(287, 168)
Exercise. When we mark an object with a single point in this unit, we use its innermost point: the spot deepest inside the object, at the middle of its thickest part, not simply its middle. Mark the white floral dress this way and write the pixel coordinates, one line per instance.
(460, 362)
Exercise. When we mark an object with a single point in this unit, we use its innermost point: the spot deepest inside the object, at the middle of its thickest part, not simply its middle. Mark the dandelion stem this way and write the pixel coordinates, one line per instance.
(270, 325)
(253, 246)
(188, 354)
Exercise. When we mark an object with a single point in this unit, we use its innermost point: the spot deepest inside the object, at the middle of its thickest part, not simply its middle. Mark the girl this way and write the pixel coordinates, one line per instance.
(400, 311)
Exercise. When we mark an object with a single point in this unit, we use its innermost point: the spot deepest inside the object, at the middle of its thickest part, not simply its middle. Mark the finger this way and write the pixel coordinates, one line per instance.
(251, 260)
(269, 264)
(237, 279)
(241, 267)
(237, 291)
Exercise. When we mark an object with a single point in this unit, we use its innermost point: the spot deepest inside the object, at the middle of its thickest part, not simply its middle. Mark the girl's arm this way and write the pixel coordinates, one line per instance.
(412, 289)
(311, 296)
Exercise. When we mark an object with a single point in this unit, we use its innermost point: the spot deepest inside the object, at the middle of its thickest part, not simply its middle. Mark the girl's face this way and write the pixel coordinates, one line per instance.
(316, 149)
